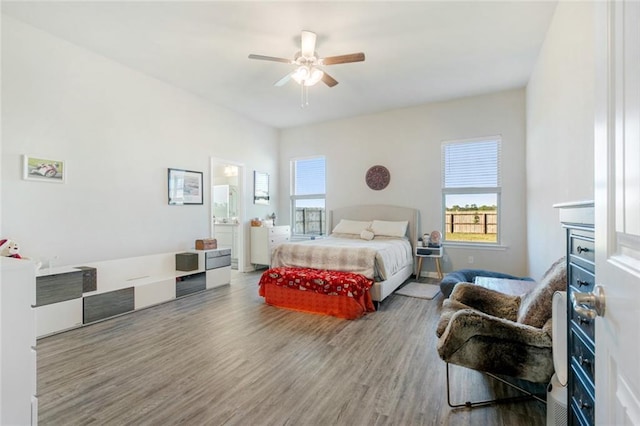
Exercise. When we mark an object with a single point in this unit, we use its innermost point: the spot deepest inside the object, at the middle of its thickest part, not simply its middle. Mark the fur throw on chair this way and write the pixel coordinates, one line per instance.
(535, 306)
(486, 330)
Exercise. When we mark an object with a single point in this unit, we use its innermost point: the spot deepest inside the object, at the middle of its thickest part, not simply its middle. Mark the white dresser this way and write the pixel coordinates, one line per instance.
(18, 402)
(264, 240)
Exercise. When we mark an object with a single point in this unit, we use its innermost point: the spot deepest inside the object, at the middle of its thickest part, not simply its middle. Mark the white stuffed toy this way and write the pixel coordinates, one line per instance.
(9, 248)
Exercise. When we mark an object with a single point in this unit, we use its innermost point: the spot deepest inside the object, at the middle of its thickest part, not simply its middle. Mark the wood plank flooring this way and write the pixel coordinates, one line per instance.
(224, 357)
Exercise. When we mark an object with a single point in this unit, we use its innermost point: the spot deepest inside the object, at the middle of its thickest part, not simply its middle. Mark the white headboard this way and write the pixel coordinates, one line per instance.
(379, 212)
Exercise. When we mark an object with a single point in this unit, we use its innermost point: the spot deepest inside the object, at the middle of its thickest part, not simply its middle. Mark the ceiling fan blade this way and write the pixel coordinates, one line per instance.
(328, 80)
(308, 44)
(270, 58)
(343, 59)
(284, 80)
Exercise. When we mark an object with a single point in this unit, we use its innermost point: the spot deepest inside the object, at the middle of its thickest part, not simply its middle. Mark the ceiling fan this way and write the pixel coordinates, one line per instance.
(308, 64)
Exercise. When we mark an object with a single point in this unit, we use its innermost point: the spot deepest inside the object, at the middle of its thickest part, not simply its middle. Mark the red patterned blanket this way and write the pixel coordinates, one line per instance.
(332, 283)
(340, 294)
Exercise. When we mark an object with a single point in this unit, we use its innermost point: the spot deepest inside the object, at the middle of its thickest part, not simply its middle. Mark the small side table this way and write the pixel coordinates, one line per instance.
(433, 252)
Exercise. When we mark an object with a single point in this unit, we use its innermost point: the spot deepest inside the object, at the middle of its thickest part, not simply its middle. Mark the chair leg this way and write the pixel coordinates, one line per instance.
(528, 395)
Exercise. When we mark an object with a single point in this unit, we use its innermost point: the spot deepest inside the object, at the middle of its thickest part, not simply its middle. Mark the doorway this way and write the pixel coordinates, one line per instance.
(227, 208)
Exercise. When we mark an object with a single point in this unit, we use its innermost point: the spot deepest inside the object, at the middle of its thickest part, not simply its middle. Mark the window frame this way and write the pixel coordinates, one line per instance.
(293, 197)
(471, 190)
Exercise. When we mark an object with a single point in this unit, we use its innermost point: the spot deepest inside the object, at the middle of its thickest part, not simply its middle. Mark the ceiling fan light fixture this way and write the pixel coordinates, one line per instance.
(307, 63)
(301, 74)
(307, 76)
(316, 76)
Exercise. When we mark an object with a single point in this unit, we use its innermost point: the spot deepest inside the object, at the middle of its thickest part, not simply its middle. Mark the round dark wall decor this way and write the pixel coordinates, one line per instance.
(378, 177)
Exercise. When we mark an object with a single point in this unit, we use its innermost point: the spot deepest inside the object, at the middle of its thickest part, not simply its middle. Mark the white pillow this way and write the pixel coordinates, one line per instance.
(367, 235)
(347, 226)
(389, 229)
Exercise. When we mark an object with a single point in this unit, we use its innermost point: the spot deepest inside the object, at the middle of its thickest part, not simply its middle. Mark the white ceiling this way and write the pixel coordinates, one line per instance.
(416, 52)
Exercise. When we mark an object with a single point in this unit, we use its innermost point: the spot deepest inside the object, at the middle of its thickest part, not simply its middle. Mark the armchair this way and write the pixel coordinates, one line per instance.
(499, 334)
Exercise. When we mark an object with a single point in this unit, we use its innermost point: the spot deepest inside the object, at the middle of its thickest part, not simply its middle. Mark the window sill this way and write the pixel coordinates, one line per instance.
(475, 246)
(306, 237)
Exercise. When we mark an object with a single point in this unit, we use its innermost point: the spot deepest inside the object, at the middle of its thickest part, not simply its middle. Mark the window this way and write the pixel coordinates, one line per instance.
(308, 214)
(471, 190)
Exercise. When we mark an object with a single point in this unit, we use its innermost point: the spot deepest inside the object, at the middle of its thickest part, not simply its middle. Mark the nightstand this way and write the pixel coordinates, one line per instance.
(433, 252)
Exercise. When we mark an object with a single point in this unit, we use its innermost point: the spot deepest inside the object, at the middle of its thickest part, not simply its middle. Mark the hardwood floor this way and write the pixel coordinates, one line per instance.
(224, 357)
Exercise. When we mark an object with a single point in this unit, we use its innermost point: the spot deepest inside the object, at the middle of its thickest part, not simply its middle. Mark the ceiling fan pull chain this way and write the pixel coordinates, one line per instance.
(304, 96)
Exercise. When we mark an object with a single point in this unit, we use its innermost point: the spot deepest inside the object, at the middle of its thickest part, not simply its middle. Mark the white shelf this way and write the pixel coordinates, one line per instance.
(429, 251)
(151, 278)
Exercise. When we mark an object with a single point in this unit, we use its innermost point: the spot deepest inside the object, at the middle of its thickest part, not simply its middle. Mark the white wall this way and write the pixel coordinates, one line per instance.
(118, 131)
(407, 142)
(560, 119)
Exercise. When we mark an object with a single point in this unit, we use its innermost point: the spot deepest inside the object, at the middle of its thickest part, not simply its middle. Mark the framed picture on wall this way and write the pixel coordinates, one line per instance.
(260, 188)
(43, 169)
(185, 187)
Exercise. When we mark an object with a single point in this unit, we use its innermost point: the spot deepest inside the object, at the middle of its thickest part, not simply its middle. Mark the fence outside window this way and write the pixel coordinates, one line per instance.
(309, 221)
(479, 226)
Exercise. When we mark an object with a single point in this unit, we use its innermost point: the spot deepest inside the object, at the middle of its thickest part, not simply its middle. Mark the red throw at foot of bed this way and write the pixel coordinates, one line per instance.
(340, 294)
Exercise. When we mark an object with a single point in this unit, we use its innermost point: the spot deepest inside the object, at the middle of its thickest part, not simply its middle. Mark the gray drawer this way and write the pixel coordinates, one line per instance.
(581, 279)
(581, 399)
(582, 247)
(218, 262)
(191, 284)
(586, 325)
(105, 305)
(582, 357)
(58, 287)
(217, 253)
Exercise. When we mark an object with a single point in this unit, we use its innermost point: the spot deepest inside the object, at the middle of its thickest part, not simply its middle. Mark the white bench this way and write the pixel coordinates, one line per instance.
(122, 285)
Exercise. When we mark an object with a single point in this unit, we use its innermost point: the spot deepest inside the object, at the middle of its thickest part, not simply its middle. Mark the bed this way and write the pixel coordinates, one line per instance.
(386, 261)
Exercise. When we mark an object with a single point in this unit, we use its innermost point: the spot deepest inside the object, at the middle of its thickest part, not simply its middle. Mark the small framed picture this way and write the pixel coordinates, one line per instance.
(185, 187)
(43, 169)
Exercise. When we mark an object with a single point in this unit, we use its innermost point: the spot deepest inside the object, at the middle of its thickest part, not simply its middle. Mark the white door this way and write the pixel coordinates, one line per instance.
(617, 211)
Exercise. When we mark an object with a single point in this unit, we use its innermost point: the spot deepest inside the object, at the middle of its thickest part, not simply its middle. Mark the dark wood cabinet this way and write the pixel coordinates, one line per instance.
(581, 330)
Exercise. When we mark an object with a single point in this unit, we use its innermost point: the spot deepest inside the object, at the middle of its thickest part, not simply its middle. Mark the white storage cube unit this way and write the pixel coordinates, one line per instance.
(218, 277)
(217, 264)
(134, 271)
(157, 292)
(121, 286)
(18, 401)
(57, 317)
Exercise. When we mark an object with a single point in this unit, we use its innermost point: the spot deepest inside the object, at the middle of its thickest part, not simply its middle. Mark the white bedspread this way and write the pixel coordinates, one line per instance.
(376, 259)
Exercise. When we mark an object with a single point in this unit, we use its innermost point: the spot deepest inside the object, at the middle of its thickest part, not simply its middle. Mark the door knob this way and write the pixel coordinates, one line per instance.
(589, 305)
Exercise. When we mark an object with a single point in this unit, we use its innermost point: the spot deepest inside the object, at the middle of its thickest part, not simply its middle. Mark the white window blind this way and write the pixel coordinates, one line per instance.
(471, 164)
(309, 176)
